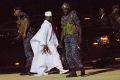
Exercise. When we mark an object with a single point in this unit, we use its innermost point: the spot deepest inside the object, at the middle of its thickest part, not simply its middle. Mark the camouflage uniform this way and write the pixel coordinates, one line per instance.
(69, 27)
(27, 47)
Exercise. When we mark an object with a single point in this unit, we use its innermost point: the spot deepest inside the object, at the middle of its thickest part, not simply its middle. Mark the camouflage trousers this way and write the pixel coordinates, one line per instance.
(72, 55)
(28, 50)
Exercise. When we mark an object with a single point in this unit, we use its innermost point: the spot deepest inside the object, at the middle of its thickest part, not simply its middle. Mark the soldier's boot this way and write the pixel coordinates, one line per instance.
(72, 73)
(82, 72)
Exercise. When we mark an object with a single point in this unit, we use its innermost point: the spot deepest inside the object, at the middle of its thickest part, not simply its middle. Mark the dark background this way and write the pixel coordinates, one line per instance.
(38, 7)
(11, 50)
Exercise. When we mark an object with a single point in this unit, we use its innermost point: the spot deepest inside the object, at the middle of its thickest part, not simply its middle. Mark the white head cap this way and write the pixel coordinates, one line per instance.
(48, 13)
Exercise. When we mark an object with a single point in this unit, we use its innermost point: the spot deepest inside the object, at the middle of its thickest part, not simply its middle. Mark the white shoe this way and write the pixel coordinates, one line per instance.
(43, 74)
(63, 71)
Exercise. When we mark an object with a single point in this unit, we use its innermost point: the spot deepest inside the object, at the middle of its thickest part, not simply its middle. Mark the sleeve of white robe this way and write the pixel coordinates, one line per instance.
(40, 38)
(42, 34)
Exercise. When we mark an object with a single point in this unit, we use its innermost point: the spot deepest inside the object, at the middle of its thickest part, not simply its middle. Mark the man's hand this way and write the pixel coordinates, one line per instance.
(46, 49)
(19, 37)
(62, 37)
(24, 36)
(60, 45)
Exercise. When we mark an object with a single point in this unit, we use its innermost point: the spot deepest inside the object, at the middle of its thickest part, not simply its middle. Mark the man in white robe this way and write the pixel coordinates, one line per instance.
(44, 45)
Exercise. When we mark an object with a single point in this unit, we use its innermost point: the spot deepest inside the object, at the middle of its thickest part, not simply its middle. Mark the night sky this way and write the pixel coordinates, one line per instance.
(37, 7)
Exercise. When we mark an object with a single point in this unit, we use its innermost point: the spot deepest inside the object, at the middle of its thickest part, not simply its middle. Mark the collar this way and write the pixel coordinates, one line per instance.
(46, 21)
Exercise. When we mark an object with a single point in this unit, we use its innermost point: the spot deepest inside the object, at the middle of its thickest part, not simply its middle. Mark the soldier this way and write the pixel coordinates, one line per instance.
(115, 21)
(71, 32)
(115, 18)
(103, 21)
(24, 33)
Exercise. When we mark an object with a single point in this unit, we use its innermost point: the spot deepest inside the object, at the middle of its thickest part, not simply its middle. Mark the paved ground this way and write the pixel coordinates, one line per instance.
(92, 74)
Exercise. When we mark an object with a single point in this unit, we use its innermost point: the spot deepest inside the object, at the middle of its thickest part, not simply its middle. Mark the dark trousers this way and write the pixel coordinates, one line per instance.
(72, 55)
(28, 51)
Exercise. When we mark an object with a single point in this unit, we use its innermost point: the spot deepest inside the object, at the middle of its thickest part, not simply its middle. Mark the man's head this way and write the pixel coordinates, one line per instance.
(115, 8)
(17, 11)
(48, 15)
(66, 8)
(101, 11)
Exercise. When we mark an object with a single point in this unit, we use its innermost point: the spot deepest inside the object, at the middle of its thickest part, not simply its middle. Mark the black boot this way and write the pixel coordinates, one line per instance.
(72, 73)
(23, 72)
(82, 72)
(26, 72)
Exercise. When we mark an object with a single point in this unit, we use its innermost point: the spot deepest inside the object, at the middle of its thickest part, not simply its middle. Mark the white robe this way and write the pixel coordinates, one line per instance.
(44, 62)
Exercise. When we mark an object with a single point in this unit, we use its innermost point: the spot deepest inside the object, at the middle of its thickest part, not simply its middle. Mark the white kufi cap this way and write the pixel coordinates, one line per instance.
(48, 13)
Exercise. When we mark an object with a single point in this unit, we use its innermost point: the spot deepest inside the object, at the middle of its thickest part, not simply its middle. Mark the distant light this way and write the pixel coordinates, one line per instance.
(104, 39)
(117, 59)
(95, 43)
(87, 18)
(17, 64)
